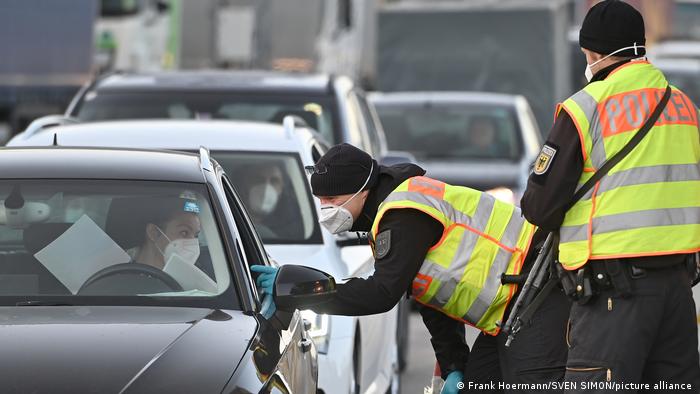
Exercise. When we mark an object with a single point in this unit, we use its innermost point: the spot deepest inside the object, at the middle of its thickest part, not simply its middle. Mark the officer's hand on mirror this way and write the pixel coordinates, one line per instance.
(453, 383)
(268, 308)
(266, 279)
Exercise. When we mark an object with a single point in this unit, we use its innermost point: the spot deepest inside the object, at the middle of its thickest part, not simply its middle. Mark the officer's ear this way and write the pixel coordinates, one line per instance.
(363, 196)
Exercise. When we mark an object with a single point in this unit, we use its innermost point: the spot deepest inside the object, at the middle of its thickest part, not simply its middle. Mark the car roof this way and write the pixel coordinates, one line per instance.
(98, 163)
(176, 134)
(198, 80)
(444, 97)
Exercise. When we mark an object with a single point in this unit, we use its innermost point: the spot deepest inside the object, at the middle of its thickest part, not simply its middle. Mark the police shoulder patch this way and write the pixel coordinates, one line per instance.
(544, 160)
(382, 244)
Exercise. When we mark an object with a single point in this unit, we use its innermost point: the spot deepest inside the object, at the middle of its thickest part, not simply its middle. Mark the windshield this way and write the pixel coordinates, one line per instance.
(111, 242)
(275, 191)
(452, 131)
(688, 82)
(319, 112)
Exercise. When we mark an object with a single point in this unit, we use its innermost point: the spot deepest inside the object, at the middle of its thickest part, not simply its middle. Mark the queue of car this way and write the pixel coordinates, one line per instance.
(224, 152)
(266, 164)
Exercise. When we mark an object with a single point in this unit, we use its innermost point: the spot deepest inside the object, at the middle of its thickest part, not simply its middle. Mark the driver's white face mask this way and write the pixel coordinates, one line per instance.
(263, 198)
(186, 249)
(589, 67)
(337, 218)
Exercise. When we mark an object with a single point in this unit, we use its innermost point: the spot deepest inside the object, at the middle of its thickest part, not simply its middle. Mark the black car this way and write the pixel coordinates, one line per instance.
(128, 271)
(333, 105)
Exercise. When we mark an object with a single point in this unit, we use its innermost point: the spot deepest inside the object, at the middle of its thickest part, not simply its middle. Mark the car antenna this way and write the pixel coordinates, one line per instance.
(55, 139)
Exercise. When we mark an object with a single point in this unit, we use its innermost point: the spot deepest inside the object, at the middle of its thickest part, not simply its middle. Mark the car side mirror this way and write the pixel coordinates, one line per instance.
(397, 157)
(299, 287)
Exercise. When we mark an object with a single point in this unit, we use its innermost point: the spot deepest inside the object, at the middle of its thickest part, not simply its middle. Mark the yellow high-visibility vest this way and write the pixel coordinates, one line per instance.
(482, 239)
(649, 203)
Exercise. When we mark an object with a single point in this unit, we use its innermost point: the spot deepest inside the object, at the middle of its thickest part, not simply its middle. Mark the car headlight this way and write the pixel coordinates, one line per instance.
(320, 330)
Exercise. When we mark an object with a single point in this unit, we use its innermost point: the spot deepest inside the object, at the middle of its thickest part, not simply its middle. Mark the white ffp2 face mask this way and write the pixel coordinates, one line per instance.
(186, 249)
(263, 198)
(589, 67)
(337, 218)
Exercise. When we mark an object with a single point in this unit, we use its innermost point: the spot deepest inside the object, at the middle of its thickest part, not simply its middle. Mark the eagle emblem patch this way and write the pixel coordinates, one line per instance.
(544, 160)
(382, 245)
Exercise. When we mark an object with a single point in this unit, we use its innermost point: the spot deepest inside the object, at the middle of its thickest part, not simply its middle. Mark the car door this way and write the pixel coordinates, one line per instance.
(293, 369)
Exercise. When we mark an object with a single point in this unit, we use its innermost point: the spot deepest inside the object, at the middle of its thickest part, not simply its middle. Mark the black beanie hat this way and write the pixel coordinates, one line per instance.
(343, 170)
(611, 25)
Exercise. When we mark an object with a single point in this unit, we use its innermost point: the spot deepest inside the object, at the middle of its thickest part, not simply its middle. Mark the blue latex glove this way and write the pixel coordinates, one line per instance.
(266, 279)
(268, 307)
(453, 383)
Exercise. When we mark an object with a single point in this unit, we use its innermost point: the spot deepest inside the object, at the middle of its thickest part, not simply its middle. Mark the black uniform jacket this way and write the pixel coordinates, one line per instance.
(411, 234)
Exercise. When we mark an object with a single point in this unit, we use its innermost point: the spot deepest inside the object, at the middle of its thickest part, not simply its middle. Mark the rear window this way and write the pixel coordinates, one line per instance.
(319, 112)
(452, 131)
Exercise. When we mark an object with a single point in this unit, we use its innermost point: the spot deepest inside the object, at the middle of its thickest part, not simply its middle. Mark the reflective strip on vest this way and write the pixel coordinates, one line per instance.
(649, 203)
(482, 239)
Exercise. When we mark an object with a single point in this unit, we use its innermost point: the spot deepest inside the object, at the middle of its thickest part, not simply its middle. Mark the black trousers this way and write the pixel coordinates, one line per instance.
(649, 337)
(537, 355)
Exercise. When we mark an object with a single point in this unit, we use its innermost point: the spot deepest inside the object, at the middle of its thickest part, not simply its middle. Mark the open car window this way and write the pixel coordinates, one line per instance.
(276, 194)
(111, 242)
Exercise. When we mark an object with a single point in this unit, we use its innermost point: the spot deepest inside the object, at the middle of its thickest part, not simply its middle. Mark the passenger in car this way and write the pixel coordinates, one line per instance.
(274, 212)
(172, 230)
(482, 132)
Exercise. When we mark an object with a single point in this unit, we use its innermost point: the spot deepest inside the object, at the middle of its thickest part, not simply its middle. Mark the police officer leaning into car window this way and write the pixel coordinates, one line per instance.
(448, 246)
(627, 243)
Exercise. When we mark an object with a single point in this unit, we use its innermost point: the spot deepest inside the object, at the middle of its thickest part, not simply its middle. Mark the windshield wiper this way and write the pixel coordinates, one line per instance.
(43, 303)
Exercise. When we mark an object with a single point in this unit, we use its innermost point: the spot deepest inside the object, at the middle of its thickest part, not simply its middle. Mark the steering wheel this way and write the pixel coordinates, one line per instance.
(133, 269)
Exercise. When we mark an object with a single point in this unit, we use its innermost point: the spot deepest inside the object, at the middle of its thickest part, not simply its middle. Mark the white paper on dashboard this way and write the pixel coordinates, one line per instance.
(80, 252)
(188, 275)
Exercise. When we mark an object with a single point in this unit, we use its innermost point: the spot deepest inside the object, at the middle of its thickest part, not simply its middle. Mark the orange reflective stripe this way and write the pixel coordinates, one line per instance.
(632, 63)
(421, 283)
(645, 254)
(494, 332)
(442, 237)
(627, 111)
(584, 153)
(425, 185)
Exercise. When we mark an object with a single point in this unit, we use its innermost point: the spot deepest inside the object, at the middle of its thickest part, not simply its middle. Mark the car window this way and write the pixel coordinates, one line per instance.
(276, 194)
(688, 82)
(112, 242)
(372, 131)
(452, 131)
(357, 124)
(319, 112)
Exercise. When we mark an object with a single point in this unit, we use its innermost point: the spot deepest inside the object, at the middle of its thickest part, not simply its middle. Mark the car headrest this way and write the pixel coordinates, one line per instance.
(39, 235)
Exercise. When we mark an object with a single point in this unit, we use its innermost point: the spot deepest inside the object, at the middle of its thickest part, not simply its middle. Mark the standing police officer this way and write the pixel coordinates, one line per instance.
(629, 239)
(448, 246)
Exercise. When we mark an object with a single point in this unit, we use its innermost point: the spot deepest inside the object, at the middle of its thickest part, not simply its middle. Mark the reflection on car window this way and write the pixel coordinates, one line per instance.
(276, 194)
(317, 111)
(110, 238)
(452, 131)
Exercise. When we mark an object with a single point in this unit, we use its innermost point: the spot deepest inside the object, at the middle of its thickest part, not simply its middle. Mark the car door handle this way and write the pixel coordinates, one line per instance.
(305, 344)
